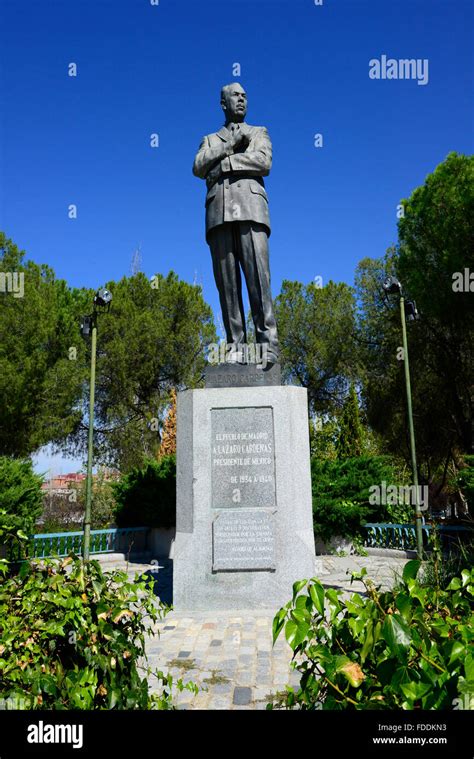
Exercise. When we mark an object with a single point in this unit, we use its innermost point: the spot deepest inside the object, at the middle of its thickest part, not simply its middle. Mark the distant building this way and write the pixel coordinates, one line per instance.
(62, 497)
(62, 484)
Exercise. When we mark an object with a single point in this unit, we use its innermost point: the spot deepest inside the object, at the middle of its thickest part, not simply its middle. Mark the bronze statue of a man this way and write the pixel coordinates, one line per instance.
(233, 161)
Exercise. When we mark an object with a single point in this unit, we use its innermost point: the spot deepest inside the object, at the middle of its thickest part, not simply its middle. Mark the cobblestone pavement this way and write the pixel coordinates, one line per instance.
(229, 655)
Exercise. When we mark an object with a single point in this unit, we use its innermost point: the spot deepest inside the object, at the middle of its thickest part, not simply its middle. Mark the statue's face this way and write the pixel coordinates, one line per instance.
(235, 103)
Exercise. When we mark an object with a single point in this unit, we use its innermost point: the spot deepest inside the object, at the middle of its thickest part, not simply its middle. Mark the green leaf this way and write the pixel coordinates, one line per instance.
(368, 641)
(395, 632)
(456, 651)
(455, 584)
(404, 606)
(414, 691)
(410, 569)
(297, 586)
(300, 615)
(316, 592)
(278, 624)
(295, 632)
(469, 668)
(466, 576)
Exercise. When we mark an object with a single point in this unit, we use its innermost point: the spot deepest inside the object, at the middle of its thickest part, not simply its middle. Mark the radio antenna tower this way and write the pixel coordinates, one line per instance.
(136, 263)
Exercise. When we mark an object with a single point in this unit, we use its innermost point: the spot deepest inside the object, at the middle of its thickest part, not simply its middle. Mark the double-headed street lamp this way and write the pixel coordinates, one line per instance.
(102, 300)
(409, 311)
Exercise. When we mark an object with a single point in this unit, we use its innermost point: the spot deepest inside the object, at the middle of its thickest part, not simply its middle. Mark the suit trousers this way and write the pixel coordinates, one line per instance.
(243, 245)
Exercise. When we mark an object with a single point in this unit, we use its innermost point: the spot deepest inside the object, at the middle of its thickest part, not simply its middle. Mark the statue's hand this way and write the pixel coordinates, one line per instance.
(245, 130)
(240, 138)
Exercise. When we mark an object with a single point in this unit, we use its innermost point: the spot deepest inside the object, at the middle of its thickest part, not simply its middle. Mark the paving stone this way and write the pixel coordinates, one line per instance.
(280, 680)
(242, 696)
(245, 678)
(184, 654)
(219, 703)
(222, 688)
(216, 643)
(246, 658)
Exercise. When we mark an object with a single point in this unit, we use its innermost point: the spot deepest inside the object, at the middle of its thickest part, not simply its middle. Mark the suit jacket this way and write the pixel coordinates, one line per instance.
(236, 191)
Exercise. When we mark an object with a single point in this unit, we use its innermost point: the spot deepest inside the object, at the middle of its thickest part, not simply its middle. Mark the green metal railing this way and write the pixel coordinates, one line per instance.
(402, 537)
(113, 540)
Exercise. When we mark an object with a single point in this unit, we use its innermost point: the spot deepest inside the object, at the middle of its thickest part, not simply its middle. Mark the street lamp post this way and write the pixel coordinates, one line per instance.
(391, 286)
(102, 299)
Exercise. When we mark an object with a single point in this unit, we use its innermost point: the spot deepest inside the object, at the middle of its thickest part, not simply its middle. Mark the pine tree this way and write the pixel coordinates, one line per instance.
(351, 434)
(168, 439)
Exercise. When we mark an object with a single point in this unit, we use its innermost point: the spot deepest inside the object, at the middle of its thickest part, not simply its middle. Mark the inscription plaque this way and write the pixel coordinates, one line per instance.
(243, 539)
(242, 458)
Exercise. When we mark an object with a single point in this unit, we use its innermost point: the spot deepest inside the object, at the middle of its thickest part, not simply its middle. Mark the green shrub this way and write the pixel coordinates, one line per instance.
(21, 497)
(74, 639)
(442, 566)
(409, 648)
(466, 480)
(343, 518)
(147, 495)
(341, 495)
(11, 540)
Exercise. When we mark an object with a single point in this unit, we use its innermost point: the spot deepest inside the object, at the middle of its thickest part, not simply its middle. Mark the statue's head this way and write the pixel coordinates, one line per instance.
(234, 102)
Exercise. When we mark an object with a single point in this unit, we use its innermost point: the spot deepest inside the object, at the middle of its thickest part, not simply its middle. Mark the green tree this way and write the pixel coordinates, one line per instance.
(146, 496)
(152, 340)
(323, 434)
(435, 241)
(466, 481)
(21, 497)
(436, 244)
(316, 327)
(40, 377)
(350, 441)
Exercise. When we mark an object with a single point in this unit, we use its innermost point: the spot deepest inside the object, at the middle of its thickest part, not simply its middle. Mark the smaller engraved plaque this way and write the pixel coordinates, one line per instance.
(243, 539)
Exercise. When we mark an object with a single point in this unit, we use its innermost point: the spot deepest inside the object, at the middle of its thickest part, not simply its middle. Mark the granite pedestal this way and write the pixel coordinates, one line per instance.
(244, 529)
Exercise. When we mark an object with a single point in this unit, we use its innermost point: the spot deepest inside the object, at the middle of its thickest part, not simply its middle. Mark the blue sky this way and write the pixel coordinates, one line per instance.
(143, 69)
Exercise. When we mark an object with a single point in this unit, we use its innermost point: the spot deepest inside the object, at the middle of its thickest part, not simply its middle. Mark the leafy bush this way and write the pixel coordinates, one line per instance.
(10, 540)
(345, 518)
(466, 480)
(21, 496)
(341, 495)
(73, 638)
(441, 567)
(147, 496)
(410, 648)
